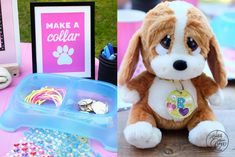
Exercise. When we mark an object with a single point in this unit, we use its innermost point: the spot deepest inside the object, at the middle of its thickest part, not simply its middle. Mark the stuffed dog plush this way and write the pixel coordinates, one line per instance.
(175, 42)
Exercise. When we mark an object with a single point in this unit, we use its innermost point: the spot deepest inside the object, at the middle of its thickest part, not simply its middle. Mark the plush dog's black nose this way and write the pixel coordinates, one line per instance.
(180, 65)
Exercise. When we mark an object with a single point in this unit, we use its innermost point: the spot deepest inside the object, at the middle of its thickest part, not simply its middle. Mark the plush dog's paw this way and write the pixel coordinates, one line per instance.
(217, 98)
(142, 135)
(129, 96)
(200, 134)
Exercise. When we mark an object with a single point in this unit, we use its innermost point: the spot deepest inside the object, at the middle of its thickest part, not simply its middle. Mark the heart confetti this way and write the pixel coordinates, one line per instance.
(25, 148)
(48, 143)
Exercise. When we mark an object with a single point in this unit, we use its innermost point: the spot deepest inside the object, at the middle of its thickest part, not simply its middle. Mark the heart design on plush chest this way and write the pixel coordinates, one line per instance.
(171, 106)
(183, 111)
(180, 104)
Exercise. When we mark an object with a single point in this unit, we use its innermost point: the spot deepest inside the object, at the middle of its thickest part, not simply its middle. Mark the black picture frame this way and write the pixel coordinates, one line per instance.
(2, 39)
(33, 5)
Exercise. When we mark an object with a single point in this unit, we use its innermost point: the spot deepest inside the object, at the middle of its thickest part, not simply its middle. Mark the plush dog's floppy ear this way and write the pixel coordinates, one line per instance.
(215, 62)
(130, 60)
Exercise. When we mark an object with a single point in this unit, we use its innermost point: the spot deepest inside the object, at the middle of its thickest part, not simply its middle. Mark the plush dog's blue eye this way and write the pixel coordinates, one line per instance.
(166, 42)
(192, 44)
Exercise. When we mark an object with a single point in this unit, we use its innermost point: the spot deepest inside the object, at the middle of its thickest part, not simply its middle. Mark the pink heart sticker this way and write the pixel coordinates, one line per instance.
(171, 107)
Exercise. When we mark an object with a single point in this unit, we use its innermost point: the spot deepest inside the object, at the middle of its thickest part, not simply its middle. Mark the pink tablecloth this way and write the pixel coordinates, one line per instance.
(8, 139)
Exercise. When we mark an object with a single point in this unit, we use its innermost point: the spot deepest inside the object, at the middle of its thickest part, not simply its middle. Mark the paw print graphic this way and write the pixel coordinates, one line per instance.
(64, 55)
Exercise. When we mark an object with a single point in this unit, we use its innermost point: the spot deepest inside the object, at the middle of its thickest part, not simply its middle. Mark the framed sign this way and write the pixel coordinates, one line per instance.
(63, 38)
(2, 40)
(9, 36)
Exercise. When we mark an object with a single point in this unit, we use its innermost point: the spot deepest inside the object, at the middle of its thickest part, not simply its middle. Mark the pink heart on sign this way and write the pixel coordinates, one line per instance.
(171, 107)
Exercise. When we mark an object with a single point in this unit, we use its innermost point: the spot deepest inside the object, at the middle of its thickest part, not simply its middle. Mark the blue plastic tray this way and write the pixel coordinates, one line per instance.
(67, 117)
